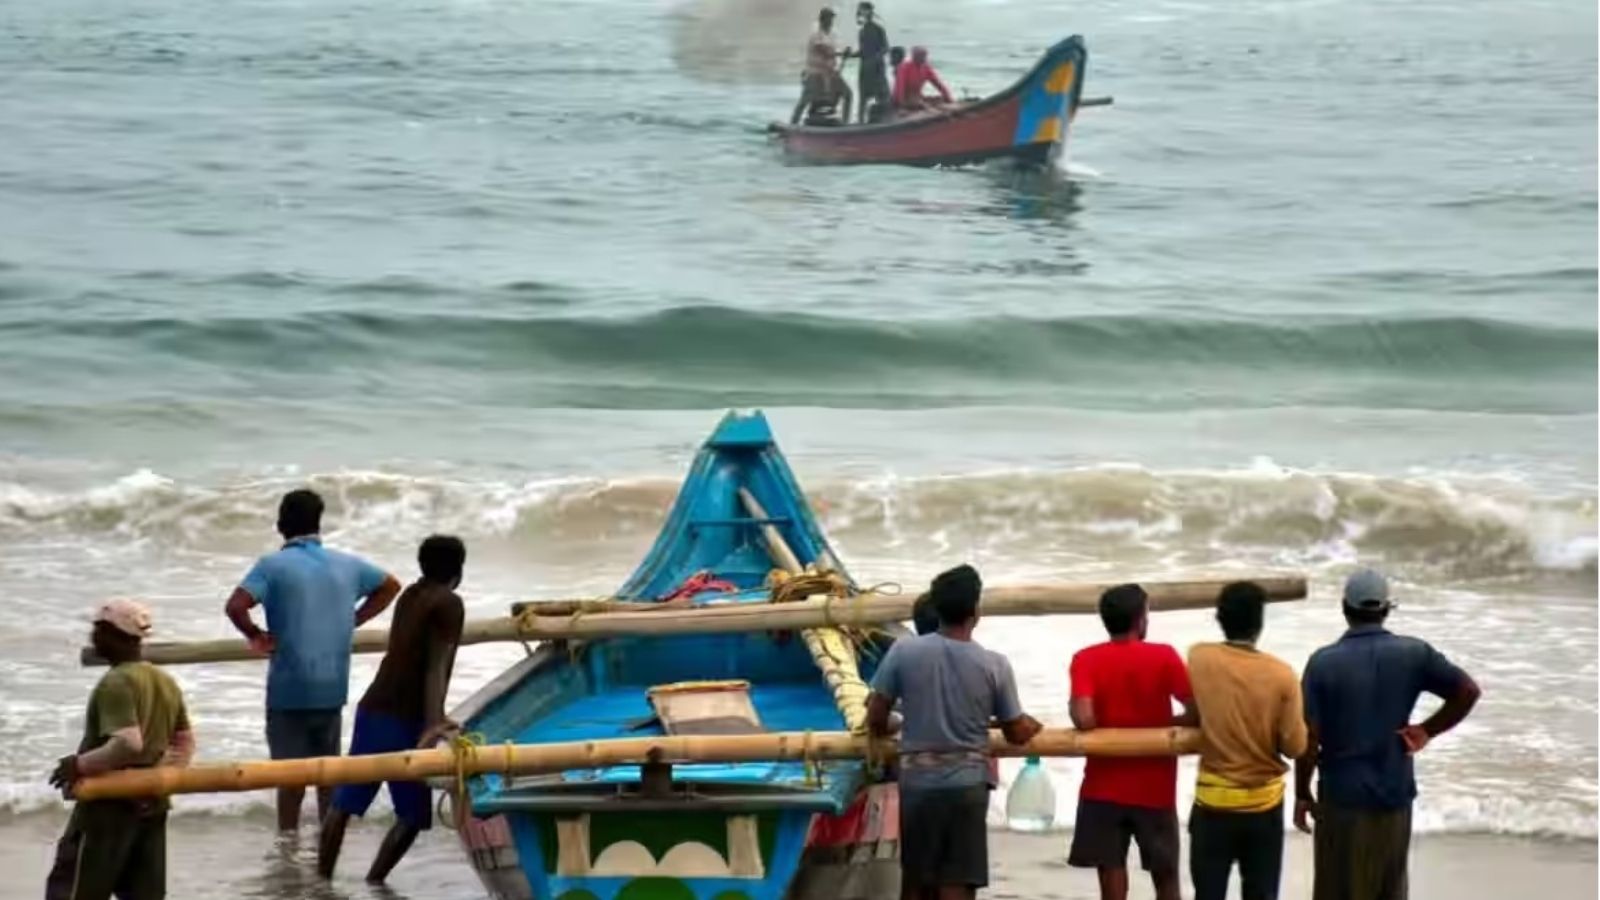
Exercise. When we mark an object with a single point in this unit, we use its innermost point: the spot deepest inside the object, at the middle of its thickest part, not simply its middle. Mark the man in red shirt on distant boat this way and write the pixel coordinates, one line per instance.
(1128, 683)
(909, 78)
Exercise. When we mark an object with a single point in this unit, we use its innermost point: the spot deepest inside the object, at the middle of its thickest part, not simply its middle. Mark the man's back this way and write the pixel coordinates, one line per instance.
(873, 44)
(1131, 684)
(1250, 712)
(949, 691)
(136, 693)
(821, 52)
(908, 81)
(427, 623)
(309, 593)
(1359, 693)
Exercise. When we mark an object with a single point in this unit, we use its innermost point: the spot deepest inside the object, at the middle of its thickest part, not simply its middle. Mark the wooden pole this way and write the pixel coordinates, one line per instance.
(868, 609)
(776, 545)
(529, 759)
(830, 649)
(376, 640)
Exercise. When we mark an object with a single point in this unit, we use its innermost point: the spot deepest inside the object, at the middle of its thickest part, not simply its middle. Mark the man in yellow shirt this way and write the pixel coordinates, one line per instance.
(1250, 717)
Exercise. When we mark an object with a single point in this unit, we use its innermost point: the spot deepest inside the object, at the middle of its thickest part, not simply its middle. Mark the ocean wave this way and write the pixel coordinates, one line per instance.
(1425, 526)
(710, 355)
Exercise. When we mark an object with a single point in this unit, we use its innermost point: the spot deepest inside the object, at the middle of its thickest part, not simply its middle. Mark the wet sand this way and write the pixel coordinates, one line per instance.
(231, 857)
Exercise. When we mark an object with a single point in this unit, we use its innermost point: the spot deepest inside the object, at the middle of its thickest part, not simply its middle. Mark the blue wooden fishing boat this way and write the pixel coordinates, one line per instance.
(751, 831)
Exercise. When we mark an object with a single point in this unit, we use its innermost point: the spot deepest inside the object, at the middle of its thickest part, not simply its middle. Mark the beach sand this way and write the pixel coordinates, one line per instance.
(213, 857)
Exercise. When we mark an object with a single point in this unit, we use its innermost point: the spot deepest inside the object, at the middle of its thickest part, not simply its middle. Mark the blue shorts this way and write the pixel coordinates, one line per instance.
(379, 733)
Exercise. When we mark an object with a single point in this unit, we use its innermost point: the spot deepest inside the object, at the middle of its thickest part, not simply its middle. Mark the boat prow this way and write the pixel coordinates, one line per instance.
(1029, 121)
(706, 831)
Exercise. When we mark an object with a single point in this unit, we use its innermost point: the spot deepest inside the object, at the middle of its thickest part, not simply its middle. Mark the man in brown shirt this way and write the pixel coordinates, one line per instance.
(404, 707)
(1250, 717)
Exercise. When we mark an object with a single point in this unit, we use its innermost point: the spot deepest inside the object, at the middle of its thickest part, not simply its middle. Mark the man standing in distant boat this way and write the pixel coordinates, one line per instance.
(1250, 718)
(1128, 682)
(310, 594)
(404, 707)
(949, 688)
(136, 719)
(1359, 696)
(909, 79)
(821, 84)
(872, 80)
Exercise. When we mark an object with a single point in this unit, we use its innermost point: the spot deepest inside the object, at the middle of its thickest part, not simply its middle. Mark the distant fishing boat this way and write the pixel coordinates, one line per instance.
(1028, 121)
(756, 831)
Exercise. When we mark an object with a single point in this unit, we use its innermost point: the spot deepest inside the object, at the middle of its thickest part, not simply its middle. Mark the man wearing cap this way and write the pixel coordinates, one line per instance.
(949, 687)
(310, 594)
(1359, 695)
(136, 719)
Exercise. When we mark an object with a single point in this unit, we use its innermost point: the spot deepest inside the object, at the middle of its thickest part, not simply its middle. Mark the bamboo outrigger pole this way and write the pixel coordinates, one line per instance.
(529, 759)
(863, 610)
(833, 653)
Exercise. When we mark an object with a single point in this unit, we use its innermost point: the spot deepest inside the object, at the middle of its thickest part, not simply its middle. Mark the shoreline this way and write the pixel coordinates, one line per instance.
(240, 857)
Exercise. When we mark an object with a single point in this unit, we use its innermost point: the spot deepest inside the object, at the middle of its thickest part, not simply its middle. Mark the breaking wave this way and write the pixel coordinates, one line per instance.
(1452, 527)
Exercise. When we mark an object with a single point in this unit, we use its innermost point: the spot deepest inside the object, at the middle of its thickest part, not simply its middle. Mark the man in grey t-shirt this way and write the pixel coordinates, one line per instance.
(949, 688)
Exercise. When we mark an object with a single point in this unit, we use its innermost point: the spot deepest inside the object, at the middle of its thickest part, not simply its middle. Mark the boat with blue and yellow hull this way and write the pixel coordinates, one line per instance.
(1029, 122)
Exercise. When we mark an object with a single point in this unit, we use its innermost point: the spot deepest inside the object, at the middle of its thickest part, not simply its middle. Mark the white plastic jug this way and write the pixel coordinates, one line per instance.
(1031, 802)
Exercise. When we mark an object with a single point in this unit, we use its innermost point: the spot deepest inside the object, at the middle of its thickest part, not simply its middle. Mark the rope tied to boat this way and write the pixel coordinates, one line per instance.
(835, 647)
(808, 760)
(464, 752)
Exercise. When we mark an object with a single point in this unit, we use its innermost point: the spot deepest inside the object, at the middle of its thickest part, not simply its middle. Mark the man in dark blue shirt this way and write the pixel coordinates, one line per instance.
(1359, 697)
(873, 76)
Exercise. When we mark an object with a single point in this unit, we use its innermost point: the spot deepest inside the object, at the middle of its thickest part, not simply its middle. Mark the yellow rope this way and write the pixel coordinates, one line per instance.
(464, 747)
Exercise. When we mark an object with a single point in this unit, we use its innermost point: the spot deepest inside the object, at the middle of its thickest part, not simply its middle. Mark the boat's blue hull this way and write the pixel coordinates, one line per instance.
(722, 832)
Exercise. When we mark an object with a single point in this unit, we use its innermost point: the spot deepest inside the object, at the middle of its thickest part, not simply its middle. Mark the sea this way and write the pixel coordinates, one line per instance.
(1317, 291)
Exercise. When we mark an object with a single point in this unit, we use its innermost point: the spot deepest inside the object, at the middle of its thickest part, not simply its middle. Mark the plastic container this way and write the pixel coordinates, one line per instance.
(1031, 802)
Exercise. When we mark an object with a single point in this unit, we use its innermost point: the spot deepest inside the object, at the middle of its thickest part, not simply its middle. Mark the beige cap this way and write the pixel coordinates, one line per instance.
(130, 617)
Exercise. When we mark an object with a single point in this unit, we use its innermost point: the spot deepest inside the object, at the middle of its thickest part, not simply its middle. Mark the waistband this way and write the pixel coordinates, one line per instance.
(1213, 791)
(941, 758)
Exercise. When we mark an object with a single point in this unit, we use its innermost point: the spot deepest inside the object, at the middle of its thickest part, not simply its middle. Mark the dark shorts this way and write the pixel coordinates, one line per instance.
(1218, 839)
(944, 839)
(1361, 854)
(376, 732)
(303, 733)
(111, 847)
(1102, 831)
(827, 88)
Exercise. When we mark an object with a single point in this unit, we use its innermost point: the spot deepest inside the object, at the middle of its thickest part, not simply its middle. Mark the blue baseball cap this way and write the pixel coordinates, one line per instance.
(1367, 589)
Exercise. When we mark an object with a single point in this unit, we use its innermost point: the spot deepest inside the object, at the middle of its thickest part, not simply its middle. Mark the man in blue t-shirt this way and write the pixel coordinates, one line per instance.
(1359, 697)
(949, 687)
(310, 594)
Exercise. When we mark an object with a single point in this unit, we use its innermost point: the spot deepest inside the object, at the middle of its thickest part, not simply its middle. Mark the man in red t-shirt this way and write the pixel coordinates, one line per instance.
(909, 78)
(1128, 683)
